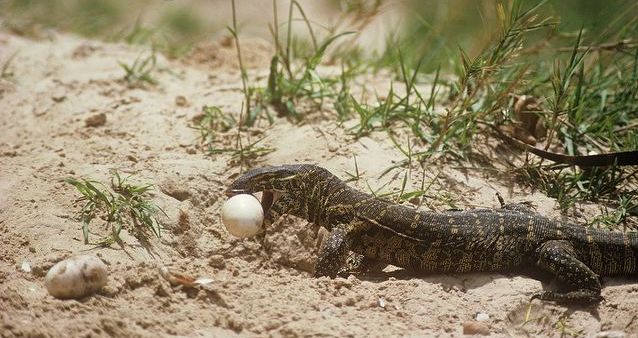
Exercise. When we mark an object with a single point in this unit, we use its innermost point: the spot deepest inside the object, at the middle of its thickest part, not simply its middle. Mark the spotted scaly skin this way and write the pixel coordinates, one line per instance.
(508, 239)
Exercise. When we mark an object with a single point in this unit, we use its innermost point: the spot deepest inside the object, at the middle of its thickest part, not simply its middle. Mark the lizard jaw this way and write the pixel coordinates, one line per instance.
(267, 199)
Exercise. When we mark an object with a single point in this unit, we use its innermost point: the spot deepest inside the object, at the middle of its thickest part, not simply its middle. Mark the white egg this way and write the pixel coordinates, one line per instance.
(243, 215)
(76, 277)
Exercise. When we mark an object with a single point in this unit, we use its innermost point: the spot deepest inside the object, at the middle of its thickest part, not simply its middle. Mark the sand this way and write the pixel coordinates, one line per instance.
(67, 112)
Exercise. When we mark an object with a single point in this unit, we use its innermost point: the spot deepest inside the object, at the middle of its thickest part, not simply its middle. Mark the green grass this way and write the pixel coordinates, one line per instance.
(294, 85)
(587, 94)
(5, 69)
(140, 72)
(626, 205)
(249, 116)
(244, 153)
(479, 92)
(402, 194)
(287, 84)
(173, 29)
(591, 108)
(211, 123)
(88, 17)
(121, 205)
(214, 125)
(588, 103)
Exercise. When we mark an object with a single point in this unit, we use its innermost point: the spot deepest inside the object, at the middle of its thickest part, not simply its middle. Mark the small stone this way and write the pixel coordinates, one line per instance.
(610, 334)
(40, 110)
(216, 261)
(472, 327)
(58, 96)
(83, 51)
(226, 41)
(481, 317)
(95, 120)
(26, 267)
(181, 101)
(162, 290)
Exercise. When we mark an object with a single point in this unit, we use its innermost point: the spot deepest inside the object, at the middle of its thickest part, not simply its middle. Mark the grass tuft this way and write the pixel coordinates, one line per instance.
(120, 205)
(139, 73)
(211, 123)
(5, 70)
(214, 123)
(293, 82)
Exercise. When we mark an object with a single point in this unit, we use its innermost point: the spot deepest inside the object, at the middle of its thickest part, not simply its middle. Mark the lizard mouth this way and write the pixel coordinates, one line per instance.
(267, 197)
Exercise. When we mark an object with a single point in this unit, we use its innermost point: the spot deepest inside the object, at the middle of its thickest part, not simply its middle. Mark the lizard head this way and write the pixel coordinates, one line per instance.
(271, 181)
(276, 178)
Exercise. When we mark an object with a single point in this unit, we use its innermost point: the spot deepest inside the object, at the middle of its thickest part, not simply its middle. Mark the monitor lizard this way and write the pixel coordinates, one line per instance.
(482, 240)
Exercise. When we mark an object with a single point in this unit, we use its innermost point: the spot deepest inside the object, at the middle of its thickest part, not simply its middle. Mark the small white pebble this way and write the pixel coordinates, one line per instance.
(203, 280)
(26, 267)
(243, 215)
(610, 334)
(475, 328)
(76, 277)
(481, 317)
(381, 302)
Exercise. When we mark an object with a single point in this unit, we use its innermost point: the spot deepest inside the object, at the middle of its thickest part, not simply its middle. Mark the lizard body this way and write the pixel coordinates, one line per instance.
(507, 239)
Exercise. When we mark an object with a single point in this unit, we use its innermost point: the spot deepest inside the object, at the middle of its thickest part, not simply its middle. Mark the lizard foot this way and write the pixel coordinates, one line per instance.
(357, 264)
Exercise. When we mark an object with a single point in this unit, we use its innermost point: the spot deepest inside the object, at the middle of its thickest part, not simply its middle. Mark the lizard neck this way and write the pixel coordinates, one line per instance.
(324, 199)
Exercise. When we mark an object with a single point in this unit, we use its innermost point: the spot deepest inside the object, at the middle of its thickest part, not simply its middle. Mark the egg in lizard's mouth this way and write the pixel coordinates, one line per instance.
(268, 197)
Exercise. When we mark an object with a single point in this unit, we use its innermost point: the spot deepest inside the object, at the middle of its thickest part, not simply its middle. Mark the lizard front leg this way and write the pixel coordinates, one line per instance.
(334, 252)
(558, 257)
(336, 257)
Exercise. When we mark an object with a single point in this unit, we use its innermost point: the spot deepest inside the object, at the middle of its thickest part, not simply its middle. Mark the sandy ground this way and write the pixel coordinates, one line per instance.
(258, 290)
